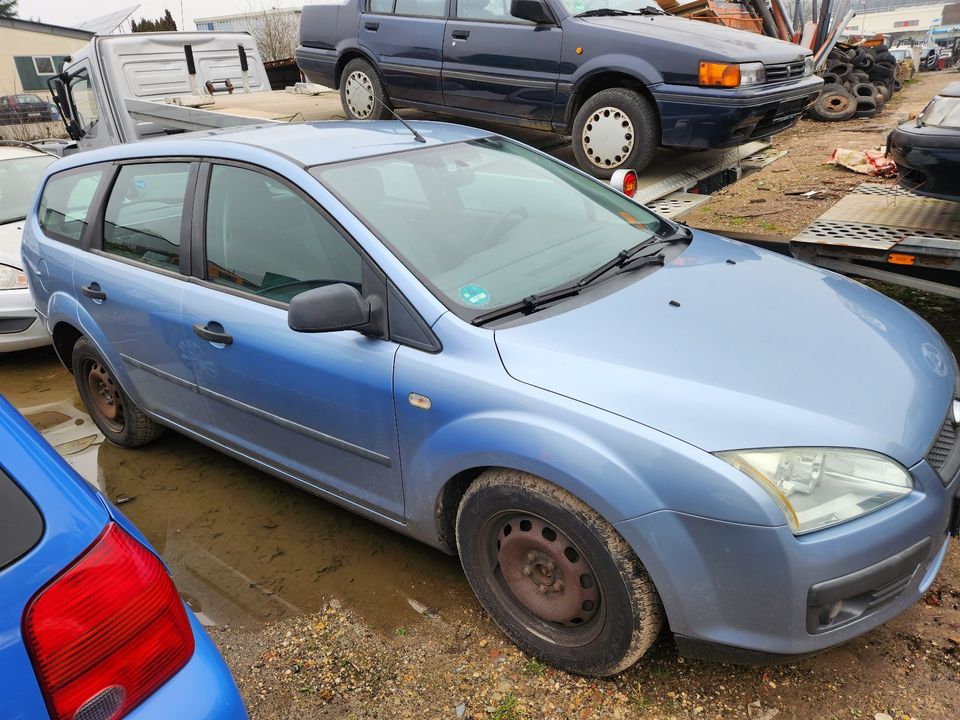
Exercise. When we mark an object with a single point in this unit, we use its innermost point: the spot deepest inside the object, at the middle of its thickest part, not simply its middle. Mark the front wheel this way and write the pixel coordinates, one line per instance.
(554, 575)
(361, 93)
(616, 128)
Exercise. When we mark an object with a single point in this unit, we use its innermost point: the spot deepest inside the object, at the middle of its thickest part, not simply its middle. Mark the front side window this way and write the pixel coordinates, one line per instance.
(84, 100)
(65, 205)
(488, 222)
(265, 239)
(144, 214)
(19, 180)
(486, 10)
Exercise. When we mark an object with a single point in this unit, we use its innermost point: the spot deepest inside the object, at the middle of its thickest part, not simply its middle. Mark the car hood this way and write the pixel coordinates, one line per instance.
(717, 41)
(761, 352)
(10, 234)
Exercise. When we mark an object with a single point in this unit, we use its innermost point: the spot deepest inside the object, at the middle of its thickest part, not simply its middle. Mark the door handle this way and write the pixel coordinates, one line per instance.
(213, 331)
(93, 291)
(460, 34)
(372, 26)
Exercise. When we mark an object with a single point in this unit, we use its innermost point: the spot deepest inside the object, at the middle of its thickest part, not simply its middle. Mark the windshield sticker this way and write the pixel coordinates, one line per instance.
(474, 295)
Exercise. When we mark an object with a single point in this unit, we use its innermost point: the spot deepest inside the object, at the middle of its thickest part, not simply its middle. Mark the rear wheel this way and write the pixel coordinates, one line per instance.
(118, 417)
(361, 93)
(554, 575)
(616, 128)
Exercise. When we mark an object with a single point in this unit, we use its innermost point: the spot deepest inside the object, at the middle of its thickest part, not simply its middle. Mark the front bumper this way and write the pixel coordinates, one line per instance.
(20, 328)
(702, 118)
(928, 160)
(202, 690)
(745, 592)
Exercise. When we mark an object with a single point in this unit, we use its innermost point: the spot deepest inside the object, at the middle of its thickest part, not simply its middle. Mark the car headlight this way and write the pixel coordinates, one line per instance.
(819, 487)
(718, 74)
(809, 65)
(12, 278)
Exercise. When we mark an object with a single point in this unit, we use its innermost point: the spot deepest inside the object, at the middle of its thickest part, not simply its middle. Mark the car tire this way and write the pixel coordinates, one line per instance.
(866, 107)
(556, 577)
(362, 93)
(864, 89)
(834, 104)
(885, 89)
(616, 128)
(119, 418)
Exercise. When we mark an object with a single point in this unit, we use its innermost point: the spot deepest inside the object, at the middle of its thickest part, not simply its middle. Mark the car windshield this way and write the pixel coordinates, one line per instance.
(942, 112)
(575, 7)
(488, 222)
(19, 180)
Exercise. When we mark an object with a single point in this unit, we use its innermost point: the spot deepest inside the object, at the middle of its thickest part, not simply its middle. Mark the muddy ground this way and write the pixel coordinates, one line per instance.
(321, 614)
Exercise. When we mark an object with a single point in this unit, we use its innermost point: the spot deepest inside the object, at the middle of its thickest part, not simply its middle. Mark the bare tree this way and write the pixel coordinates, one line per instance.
(275, 30)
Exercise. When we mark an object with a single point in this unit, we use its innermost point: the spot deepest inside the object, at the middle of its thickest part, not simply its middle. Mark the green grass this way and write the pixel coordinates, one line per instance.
(534, 668)
(507, 709)
(400, 631)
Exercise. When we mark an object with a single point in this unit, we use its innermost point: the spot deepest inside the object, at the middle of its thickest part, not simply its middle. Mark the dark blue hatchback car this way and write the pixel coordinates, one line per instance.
(91, 625)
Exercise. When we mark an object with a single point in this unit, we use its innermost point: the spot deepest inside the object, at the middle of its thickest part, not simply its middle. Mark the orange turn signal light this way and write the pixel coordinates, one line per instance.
(901, 259)
(713, 74)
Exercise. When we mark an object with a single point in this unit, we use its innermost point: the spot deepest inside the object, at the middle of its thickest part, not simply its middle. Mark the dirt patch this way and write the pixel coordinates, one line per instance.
(759, 203)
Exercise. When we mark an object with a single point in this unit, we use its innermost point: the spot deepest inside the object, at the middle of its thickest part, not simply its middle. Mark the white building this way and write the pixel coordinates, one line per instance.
(249, 21)
(907, 22)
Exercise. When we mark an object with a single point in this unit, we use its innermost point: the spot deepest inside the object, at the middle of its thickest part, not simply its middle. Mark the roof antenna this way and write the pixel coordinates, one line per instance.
(416, 136)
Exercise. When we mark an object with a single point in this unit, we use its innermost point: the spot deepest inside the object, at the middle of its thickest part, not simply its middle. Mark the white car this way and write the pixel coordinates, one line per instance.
(21, 167)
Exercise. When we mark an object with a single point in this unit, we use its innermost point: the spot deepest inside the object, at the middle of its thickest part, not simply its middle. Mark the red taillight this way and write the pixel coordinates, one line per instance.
(107, 631)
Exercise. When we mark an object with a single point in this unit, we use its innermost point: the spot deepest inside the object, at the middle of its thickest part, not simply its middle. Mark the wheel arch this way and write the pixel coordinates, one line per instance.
(65, 336)
(601, 79)
(353, 53)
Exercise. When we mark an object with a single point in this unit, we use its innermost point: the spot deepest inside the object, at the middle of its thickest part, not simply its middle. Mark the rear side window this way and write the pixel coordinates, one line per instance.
(65, 205)
(267, 240)
(144, 214)
(21, 525)
(418, 8)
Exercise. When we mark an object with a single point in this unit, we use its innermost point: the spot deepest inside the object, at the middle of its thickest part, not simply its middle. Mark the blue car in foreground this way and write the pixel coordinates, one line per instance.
(618, 423)
(91, 625)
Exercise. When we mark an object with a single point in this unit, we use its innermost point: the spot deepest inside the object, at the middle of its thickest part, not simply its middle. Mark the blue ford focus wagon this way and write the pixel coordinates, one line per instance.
(618, 424)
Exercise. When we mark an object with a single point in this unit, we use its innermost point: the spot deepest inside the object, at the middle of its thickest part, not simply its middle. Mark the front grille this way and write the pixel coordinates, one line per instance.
(939, 453)
(782, 72)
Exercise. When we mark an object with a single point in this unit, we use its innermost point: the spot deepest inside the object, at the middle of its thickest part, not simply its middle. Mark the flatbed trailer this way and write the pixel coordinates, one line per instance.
(886, 233)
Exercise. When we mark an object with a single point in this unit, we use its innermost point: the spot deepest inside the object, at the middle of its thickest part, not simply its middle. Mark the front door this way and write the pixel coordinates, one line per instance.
(131, 280)
(496, 63)
(406, 38)
(316, 408)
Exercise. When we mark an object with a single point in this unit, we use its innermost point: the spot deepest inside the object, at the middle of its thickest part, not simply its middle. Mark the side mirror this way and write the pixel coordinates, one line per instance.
(532, 10)
(328, 309)
(61, 98)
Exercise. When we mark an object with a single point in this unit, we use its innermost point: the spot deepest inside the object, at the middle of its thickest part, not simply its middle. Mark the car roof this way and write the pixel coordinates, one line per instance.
(12, 152)
(951, 90)
(306, 144)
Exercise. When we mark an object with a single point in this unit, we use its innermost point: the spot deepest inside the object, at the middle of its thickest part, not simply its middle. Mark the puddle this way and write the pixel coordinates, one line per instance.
(244, 548)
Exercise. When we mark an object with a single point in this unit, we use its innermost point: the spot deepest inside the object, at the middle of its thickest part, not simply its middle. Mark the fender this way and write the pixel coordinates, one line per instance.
(351, 45)
(64, 308)
(637, 68)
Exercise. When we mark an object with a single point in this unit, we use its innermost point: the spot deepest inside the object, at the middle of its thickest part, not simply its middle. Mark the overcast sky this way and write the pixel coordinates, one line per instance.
(58, 12)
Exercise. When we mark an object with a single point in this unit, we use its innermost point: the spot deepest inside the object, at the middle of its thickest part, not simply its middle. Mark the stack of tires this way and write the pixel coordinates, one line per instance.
(857, 83)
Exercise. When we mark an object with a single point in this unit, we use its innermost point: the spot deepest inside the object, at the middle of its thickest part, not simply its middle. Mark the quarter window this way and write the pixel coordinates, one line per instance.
(66, 202)
(144, 214)
(264, 238)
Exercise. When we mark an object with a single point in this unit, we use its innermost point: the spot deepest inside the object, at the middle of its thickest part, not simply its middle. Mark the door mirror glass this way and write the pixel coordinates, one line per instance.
(532, 10)
(328, 309)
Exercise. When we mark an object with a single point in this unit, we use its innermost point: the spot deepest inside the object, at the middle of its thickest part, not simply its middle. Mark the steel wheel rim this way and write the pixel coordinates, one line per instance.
(838, 103)
(608, 137)
(104, 394)
(359, 94)
(562, 603)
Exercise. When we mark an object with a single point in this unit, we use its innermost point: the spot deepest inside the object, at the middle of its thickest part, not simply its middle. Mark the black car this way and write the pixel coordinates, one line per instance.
(927, 150)
(26, 108)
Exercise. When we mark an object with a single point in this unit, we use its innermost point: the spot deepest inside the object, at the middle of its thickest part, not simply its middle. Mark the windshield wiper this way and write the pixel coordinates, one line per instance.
(622, 258)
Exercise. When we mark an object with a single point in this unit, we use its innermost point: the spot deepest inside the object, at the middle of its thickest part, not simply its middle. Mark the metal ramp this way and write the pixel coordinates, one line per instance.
(886, 224)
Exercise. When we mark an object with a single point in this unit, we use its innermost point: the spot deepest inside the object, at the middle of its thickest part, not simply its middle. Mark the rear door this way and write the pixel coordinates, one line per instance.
(130, 282)
(496, 63)
(406, 38)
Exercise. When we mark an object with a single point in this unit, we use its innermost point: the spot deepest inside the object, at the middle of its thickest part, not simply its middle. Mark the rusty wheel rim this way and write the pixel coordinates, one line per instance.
(554, 589)
(104, 394)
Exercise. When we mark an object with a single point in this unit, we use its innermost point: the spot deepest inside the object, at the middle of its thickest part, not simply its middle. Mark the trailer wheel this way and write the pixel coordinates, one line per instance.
(556, 577)
(616, 128)
(361, 93)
